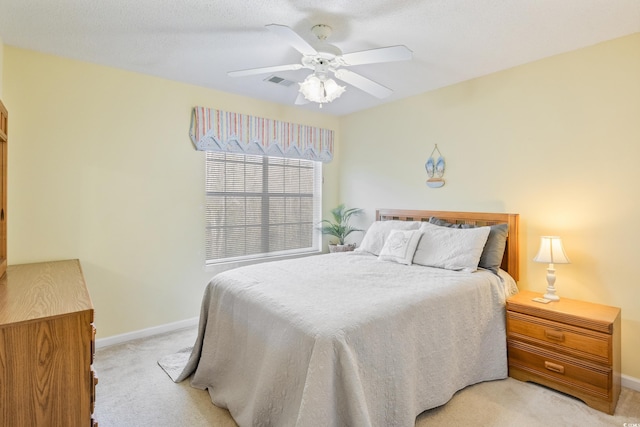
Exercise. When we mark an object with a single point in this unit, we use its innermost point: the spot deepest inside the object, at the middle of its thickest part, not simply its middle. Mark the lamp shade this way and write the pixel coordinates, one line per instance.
(320, 89)
(551, 251)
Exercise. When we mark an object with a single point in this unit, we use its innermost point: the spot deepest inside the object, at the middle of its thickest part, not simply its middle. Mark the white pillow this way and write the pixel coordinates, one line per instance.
(456, 249)
(400, 246)
(379, 231)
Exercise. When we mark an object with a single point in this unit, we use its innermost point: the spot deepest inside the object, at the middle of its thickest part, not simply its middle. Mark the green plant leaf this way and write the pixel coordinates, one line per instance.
(340, 227)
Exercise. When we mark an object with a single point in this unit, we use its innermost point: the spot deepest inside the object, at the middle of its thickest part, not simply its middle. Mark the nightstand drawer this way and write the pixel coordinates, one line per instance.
(569, 373)
(568, 345)
(572, 340)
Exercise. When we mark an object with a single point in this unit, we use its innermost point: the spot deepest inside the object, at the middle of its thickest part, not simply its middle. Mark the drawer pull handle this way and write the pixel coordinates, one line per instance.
(554, 335)
(554, 367)
(93, 344)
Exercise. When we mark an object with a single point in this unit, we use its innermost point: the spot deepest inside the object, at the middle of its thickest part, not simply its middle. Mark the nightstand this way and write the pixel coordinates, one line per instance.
(568, 345)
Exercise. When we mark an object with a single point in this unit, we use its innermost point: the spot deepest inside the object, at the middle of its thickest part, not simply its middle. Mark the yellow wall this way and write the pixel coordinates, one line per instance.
(101, 168)
(557, 141)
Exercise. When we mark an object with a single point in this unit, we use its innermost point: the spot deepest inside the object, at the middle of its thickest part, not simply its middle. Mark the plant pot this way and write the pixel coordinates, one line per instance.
(342, 248)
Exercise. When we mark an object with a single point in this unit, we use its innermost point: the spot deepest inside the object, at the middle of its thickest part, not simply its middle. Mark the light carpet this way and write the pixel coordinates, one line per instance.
(134, 391)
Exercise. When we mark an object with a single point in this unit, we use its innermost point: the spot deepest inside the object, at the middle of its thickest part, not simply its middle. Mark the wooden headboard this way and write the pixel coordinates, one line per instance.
(511, 258)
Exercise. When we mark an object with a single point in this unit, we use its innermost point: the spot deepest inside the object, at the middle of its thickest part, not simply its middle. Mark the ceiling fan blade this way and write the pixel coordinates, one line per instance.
(264, 70)
(293, 38)
(383, 54)
(363, 83)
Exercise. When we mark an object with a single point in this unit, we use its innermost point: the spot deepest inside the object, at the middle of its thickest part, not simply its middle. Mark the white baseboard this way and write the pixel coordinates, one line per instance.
(630, 382)
(144, 333)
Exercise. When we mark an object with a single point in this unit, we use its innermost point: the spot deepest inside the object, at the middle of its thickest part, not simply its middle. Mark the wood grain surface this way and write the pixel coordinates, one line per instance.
(46, 345)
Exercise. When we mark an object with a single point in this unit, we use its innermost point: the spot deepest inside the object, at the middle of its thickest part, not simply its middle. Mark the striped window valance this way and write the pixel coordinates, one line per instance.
(215, 130)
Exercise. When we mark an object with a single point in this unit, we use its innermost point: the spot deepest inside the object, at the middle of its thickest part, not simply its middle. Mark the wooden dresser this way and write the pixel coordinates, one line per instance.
(46, 346)
(568, 345)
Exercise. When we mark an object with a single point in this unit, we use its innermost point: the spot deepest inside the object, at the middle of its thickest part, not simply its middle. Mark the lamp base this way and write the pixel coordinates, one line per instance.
(551, 280)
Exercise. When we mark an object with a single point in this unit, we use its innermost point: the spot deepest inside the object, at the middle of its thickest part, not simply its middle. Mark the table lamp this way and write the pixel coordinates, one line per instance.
(552, 252)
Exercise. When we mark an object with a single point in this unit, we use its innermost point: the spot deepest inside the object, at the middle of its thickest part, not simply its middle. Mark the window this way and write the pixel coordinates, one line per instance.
(259, 206)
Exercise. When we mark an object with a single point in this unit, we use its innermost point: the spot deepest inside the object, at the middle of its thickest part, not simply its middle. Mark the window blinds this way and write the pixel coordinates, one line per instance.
(260, 206)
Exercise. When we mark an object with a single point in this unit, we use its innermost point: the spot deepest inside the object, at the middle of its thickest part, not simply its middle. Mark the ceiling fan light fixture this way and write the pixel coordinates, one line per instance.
(320, 89)
(326, 59)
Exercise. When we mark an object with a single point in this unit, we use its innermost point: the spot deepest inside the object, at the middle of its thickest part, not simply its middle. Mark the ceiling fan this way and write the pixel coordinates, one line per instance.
(328, 59)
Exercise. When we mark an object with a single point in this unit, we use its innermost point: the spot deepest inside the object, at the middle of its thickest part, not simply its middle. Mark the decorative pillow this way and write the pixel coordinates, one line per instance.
(493, 251)
(456, 249)
(378, 232)
(400, 246)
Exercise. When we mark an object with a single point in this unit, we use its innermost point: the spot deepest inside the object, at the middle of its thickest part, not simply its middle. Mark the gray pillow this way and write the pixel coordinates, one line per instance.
(493, 251)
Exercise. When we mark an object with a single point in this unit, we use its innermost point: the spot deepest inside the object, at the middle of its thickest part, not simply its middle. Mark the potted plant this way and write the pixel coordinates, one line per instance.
(339, 227)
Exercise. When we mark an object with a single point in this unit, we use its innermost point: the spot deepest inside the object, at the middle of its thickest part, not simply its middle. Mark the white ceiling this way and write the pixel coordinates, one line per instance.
(198, 41)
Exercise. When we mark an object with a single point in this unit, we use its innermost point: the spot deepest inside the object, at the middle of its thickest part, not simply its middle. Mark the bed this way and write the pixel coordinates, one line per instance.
(348, 339)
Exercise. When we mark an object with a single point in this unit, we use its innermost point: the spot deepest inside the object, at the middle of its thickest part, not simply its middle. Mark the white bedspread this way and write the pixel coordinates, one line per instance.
(345, 340)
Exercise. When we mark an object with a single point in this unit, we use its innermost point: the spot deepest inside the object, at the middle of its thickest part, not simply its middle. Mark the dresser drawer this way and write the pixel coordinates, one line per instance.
(94, 382)
(575, 341)
(573, 374)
